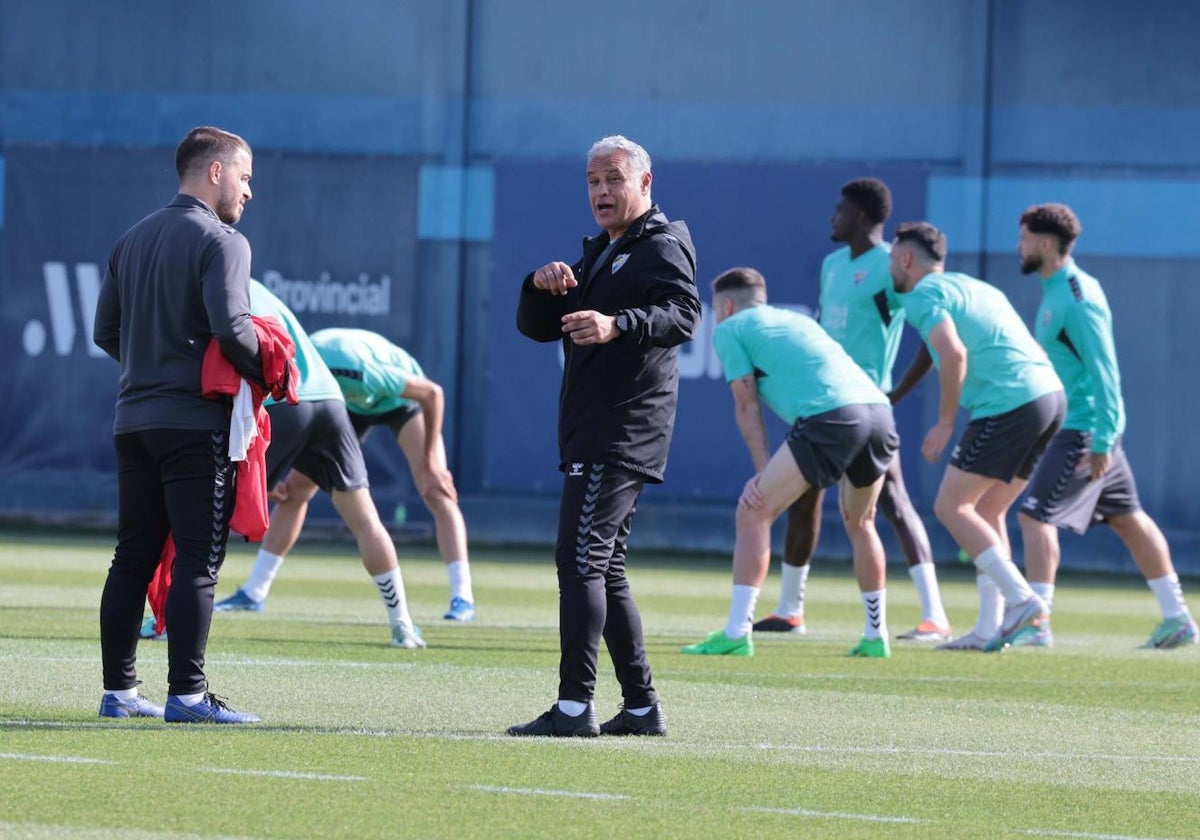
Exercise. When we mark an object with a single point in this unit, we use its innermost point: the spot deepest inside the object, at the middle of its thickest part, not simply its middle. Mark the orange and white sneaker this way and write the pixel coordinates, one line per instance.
(780, 624)
(928, 631)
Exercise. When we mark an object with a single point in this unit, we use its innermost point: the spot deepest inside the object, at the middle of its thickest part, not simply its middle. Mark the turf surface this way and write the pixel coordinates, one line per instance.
(1093, 739)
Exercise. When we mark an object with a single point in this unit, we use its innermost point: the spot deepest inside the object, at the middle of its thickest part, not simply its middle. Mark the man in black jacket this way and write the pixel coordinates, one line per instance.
(621, 313)
(176, 279)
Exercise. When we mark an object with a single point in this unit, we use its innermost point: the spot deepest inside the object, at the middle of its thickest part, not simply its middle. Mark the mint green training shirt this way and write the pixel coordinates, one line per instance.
(371, 371)
(1005, 366)
(800, 370)
(1074, 324)
(860, 311)
(316, 382)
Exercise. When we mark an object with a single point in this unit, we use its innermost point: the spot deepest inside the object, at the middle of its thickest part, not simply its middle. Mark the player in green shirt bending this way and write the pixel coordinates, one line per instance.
(989, 364)
(1085, 477)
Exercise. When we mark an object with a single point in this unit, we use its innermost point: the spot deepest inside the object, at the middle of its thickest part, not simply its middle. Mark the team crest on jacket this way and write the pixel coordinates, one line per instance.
(859, 276)
(619, 261)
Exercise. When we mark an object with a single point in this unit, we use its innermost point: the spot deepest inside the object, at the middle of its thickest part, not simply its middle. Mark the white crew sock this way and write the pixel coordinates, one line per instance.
(924, 577)
(875, 608)
(391, 590)
(996, 565)
(190, 699)
(459, 573)
(741, 611)
(266, 566)
(644, 710)
(124, 693)
(991, 608)
(793, 580)
(1169, 593)
(572, 707)
(1045, 591)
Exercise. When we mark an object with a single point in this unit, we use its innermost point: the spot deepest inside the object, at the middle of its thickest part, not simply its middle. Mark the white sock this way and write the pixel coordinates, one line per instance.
(572, 707)
(266, 566)
(741, 611)
(391, 590)
(124, 693)
(190, 699)
(644, 710)
(1045, 591)
(459, 572)
(875, 607)
(924, 577)
(792, 582)
(991, 608)
(995, 564)
(1169, 593)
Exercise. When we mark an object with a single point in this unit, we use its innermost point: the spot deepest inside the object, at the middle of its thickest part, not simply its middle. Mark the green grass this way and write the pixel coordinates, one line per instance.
(1092, 739)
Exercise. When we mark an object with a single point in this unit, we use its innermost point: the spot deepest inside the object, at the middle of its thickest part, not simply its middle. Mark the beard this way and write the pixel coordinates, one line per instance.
(229, 209)
(1031, 264)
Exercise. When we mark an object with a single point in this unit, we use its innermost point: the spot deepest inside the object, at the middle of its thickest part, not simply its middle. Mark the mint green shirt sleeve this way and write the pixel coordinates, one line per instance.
(734, 359)
(1089, 330)
(925, 308)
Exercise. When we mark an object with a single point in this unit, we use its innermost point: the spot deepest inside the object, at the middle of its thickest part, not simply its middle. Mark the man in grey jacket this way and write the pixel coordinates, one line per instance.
(175, 280)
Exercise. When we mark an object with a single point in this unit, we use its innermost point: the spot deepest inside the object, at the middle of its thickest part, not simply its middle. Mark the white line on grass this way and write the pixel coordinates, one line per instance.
(837, 815)
(1038, 832)
(1185, 759)
(59, 759)
(283, 774)
(543, 792)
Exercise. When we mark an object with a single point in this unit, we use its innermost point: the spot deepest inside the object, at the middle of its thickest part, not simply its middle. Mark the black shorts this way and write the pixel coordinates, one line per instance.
(318, 440)
(394, 420)
(1062, 492)
(1008, 445)
(857, 441)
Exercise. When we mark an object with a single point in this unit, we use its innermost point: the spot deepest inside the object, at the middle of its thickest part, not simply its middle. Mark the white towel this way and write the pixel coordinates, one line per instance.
(242, 425)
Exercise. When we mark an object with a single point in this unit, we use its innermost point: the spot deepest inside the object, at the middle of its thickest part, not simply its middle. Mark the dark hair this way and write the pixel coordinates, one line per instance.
(739, 280)
(1059, 220)
(203, 145)
(871, 196)
(931, 240)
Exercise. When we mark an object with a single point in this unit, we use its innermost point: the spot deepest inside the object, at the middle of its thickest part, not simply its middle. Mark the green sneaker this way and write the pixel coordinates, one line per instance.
(872, 648)
(1174, 632)
(718, 644)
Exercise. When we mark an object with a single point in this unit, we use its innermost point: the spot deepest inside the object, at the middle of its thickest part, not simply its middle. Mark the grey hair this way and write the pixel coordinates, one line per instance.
(639, 158)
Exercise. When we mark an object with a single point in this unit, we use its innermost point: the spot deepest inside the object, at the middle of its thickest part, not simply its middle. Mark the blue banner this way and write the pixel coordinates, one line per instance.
(335, 237)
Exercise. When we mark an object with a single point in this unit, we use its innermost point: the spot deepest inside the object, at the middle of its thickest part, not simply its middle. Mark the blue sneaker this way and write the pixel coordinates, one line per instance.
(147, 631)
(112, 706)
(211, 709)
(1173, 633)
(460, 610)
(240, 602)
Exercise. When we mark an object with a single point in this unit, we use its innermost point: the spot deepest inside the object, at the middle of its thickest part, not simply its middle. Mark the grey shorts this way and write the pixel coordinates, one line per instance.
(1062, 492)
(318, 440)
(1008, 445)
(395, 420)
(857, 441)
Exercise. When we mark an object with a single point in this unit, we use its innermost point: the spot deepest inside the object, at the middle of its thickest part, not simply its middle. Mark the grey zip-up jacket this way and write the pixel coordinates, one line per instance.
(175, 280)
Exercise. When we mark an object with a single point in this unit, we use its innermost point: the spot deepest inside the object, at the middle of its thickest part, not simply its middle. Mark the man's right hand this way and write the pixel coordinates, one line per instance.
(555, 278)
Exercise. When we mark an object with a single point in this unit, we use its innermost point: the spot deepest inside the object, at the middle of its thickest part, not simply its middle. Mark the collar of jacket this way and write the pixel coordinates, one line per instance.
(649, 221)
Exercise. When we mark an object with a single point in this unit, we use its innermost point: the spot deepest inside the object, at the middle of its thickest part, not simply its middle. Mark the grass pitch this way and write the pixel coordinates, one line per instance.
(1094, 739)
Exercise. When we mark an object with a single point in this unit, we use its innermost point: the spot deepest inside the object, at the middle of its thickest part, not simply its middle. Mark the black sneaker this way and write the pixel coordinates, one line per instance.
(558, 724)
(627, 723)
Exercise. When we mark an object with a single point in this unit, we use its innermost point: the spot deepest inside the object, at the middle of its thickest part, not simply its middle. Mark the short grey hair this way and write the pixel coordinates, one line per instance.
(639, 158)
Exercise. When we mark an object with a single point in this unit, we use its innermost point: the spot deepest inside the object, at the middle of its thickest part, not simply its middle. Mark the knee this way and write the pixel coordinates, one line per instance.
(436, 499)
(946, 509)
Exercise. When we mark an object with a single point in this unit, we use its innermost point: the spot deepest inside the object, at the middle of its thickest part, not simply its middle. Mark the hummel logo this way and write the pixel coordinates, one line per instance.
(576, 469)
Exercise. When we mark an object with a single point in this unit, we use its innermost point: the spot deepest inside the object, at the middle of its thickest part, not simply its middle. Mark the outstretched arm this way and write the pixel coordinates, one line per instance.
(429, 395)
(749, 417)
